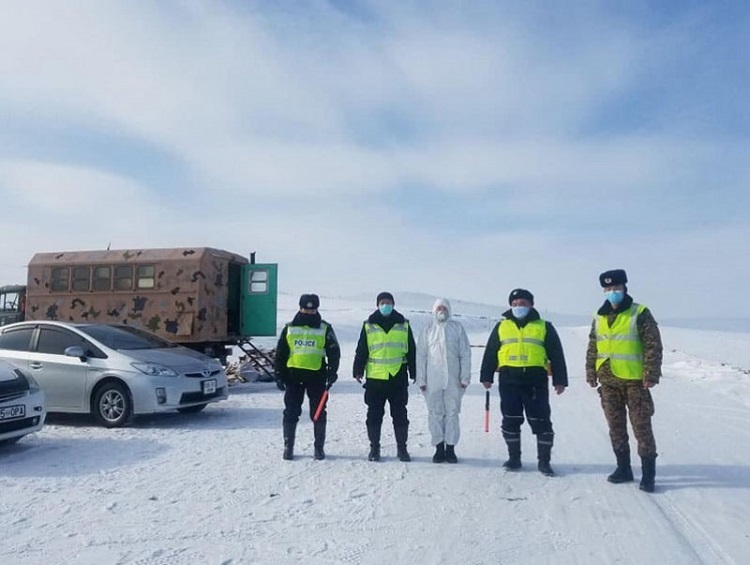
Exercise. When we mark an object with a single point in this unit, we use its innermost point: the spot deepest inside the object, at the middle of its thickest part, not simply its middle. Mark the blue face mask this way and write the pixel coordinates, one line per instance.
(615, 296)
(520, 312)
(386, 309)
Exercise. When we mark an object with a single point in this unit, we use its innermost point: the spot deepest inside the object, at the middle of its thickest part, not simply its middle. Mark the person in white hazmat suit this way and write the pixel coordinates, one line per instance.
(443, 373)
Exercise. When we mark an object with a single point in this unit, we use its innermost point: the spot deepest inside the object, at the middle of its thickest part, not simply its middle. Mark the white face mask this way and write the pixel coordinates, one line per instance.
(441, 315)
(520, 312)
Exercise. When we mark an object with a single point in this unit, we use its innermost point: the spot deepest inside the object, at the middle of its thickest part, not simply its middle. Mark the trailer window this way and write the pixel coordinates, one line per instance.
(258, 282)
(123, 277)
(145, 276)
(102, 278)
(81, 278)
(60, 279)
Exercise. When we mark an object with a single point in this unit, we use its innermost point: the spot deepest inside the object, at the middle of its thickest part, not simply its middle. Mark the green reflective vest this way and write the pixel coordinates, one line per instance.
(621, 344)
(386, 350)
(307, 347)
(522, 347)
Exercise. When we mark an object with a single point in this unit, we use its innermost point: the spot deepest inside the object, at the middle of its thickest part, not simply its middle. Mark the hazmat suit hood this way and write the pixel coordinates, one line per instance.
(442, 302)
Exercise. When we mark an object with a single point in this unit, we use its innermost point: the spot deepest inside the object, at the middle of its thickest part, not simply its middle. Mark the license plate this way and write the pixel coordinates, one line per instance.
(11, 412)
(209, 387)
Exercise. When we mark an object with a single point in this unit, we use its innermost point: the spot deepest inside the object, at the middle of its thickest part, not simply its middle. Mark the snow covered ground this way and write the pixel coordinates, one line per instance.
(212, 488)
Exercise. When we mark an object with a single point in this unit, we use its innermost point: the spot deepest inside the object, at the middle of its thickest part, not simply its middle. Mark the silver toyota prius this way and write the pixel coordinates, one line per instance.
(112, 372)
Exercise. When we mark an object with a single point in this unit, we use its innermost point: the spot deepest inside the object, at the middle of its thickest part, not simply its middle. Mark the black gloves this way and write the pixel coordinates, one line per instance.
(331, 378)
(280, 382)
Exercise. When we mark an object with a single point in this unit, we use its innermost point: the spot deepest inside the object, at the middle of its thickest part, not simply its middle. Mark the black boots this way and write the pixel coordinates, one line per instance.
(439, 456)
(648, 467)
(402, 453)
(319, 430)
(514, 456)
(544, 468)
(444, 453)
(373, 434)
(374, 454)
(624, 472)
(544, 453)
(289, 433)
(401, 433)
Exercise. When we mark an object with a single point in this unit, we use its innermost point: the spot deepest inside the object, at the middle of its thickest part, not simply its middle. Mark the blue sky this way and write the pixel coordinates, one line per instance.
(458, 149)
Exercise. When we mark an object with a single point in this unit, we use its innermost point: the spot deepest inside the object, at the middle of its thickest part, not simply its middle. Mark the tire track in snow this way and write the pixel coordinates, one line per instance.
(692, 534)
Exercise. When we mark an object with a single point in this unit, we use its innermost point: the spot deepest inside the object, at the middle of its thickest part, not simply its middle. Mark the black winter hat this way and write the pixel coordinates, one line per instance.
(384, 296)
(309, 301)
(611, 278)
(520, 293)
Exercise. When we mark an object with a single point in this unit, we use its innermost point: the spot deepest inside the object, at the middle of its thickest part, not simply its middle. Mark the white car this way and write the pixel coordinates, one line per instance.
(113, 372)
(22, 409)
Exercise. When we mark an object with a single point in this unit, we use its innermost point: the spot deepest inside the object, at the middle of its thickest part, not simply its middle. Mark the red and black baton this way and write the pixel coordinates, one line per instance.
(321, 404)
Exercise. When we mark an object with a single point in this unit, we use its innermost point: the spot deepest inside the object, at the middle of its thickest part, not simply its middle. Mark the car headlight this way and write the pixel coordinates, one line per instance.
(154, 370)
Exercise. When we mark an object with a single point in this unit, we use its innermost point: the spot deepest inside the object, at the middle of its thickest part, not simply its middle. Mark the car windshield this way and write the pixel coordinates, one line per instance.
(125, 337)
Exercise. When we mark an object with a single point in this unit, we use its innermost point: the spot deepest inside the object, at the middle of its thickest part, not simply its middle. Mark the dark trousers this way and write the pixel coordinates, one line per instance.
(533, 400)
(295, 396)
(396, 393)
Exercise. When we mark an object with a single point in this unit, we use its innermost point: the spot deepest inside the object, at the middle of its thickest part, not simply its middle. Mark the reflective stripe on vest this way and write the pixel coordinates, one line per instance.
(522, 347)
(307, 347)
(621, 344)
(386, 350)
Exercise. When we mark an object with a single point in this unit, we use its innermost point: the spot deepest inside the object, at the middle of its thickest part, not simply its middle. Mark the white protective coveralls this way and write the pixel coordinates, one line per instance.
(443, 365)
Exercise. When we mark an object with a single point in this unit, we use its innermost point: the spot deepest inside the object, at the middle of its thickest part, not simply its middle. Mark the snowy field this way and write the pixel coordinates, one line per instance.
(212, 488)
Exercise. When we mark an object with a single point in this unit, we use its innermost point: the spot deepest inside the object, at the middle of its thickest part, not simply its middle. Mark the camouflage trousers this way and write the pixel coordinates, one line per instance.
(621, 400)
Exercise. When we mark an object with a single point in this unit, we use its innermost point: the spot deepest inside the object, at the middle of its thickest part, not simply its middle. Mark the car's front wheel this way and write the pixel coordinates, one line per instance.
(192, 409)
(112, 405)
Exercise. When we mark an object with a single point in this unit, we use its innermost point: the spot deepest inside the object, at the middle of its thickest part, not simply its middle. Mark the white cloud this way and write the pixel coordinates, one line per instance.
(291, 126)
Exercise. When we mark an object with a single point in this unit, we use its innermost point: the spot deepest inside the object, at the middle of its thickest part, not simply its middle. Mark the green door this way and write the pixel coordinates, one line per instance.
(259, 300)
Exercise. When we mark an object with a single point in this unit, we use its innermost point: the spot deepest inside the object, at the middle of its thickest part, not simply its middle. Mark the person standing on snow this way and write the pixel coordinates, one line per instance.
(385, 351)
(443, 373)
(624, 359)
(520, 348)
(307, 359)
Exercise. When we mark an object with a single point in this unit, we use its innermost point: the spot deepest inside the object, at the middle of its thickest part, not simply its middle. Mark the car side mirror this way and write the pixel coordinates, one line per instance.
(76, 351)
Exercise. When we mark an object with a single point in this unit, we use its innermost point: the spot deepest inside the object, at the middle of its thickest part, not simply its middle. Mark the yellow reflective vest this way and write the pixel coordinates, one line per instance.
(621, 344)
(522, 347)
(386, 350)
(307, 347)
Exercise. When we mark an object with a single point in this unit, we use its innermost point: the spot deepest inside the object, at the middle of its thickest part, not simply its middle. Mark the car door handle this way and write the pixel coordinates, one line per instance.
(35, 365)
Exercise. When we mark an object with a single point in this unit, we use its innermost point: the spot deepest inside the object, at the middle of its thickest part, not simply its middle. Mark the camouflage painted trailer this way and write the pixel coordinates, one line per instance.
(203, 298)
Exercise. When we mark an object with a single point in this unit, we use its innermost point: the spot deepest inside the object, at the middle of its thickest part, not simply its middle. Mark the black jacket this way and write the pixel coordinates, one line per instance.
(524, 375)
(385, 322)
(330, 363)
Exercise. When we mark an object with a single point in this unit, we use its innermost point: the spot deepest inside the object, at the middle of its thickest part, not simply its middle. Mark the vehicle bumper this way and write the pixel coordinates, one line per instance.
(146, 400)
(33, 422)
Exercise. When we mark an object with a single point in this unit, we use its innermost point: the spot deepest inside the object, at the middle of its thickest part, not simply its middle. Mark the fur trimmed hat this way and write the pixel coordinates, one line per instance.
(611, 278)
(309, 301)
(385, 296)
(520, 293)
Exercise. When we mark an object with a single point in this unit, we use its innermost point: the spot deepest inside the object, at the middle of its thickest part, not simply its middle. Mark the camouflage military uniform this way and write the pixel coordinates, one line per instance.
(619, 396)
